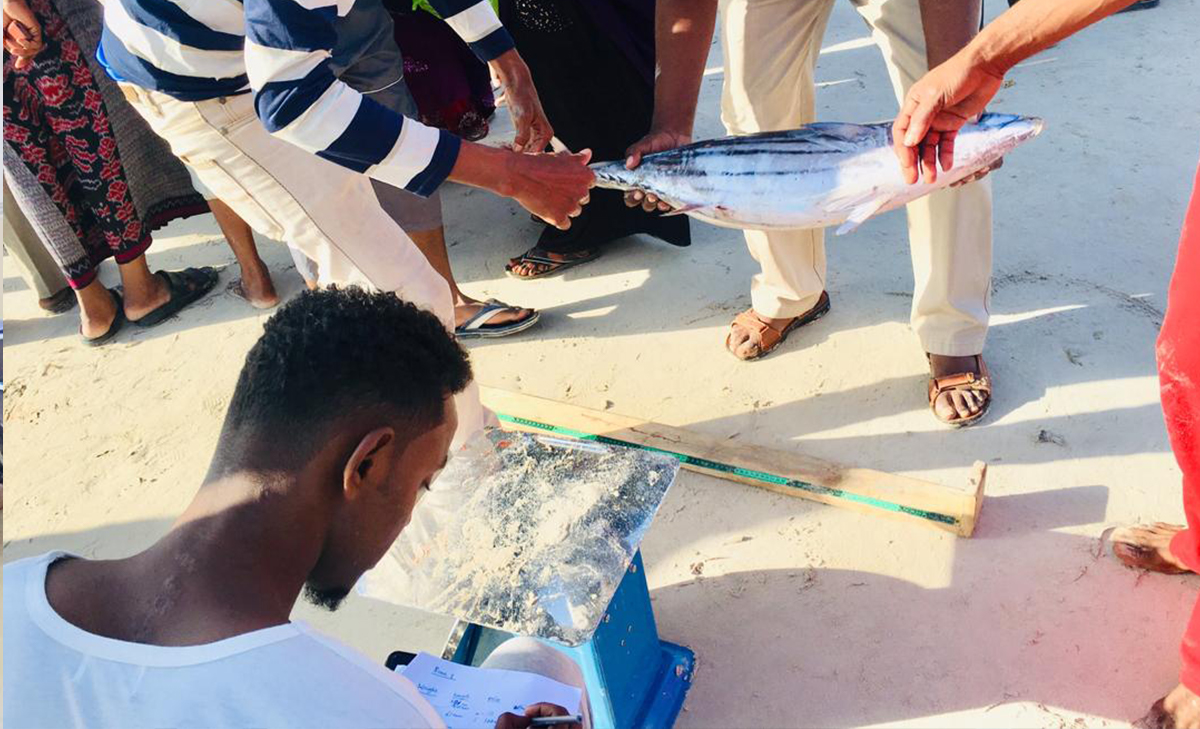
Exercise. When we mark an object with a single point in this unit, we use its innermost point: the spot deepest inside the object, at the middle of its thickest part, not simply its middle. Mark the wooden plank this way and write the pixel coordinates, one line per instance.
(947, 508)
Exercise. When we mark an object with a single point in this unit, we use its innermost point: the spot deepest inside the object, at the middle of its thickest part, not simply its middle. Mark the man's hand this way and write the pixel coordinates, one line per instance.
(533, 128)
(553, 187)
(22, 33)
(654, 141)
(934, 109)
(512, 721)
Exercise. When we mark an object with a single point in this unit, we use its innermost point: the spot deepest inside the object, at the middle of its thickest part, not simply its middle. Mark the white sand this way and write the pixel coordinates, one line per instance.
(823, 617)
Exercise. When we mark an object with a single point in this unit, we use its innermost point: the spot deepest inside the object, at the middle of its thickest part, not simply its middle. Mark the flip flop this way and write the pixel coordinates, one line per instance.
(476, 327)
(187, 287)
(537, 256)
(117, 322)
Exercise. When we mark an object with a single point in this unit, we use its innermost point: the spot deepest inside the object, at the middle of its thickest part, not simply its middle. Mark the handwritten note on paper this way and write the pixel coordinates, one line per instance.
(473, 698)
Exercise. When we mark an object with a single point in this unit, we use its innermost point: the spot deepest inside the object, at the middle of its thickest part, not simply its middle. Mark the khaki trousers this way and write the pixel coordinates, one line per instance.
(771, 49)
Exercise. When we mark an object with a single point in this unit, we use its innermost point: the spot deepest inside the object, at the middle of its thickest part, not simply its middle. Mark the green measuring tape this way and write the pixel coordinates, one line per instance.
(737, 471)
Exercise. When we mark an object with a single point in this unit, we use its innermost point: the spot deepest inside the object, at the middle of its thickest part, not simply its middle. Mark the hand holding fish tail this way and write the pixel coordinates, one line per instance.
(934, 109)
(941, 102)
(654, 141)
(553, 187)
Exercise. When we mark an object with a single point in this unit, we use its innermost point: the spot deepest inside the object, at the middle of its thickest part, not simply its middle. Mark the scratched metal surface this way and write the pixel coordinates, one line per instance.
(545, 535)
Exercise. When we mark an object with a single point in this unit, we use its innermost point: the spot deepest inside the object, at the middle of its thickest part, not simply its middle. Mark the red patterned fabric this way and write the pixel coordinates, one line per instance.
(55, 119)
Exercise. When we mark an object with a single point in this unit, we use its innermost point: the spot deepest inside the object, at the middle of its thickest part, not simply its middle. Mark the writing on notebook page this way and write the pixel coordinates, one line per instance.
(474, 698)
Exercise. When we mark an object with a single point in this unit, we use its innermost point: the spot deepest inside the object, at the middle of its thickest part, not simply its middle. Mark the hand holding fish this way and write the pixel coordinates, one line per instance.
(22, 33)
(553, 187)
(654, 141)
(934, 109)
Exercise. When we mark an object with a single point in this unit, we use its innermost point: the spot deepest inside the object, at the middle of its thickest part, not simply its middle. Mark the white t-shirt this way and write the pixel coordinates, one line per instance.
(57, 675)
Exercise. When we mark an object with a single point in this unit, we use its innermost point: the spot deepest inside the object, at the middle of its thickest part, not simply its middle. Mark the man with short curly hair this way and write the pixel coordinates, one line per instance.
(332, 436)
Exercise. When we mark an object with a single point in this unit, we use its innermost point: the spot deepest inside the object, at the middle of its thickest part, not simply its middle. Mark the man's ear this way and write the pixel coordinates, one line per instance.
(362, 468)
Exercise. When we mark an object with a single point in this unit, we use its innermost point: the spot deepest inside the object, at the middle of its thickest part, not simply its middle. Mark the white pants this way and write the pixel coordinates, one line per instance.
(771, 49)
(328, 212)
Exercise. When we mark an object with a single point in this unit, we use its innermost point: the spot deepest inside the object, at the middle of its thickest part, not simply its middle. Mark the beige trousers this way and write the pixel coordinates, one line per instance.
(289, 194)
(771, 49)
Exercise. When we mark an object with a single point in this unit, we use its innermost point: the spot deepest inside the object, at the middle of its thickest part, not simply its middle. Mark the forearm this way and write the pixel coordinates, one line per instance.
(489, 168)
(1031, 26)
(683, 33)
(949, 26)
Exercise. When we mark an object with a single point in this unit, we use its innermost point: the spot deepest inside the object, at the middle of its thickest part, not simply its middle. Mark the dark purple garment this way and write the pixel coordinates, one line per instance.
(592, 62)
(451, 86)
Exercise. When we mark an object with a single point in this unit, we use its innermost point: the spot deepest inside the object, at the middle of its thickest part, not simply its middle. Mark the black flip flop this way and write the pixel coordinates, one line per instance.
(187, 287)
(117, 322)
(556, 267)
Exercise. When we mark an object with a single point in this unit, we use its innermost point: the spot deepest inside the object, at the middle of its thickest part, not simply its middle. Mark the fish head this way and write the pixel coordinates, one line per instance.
(992, 136)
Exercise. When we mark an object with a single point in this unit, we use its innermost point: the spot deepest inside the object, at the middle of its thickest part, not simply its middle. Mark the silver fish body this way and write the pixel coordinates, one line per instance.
(819, 175)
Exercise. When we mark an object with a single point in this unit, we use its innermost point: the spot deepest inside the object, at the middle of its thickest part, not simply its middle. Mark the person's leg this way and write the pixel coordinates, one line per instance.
(368, 60)
(286, 193)
(1179, 378)
(33, 261)
(421, 219)
(770, 51)
(255, 285)
(950, 231)
(97, 309)
(532, 656)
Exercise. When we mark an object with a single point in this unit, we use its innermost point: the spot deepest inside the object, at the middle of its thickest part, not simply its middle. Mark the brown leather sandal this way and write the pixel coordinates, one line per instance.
(769, 338)
(966, 381)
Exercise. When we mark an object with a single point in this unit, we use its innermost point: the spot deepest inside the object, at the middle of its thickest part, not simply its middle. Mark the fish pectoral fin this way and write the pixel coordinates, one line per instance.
(859, 214)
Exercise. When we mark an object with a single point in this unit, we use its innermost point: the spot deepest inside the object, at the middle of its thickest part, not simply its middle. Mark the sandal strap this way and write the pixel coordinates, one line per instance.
(484, 315)
(768, 336)
(962, 381)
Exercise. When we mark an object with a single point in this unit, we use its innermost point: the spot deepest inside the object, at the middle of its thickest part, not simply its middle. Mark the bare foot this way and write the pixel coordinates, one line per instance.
(536, 263)
(97, 313)
(1179, 709)
(1148, 548)
(142, 300)
(466, 307)
(257, 289)
(956, 404)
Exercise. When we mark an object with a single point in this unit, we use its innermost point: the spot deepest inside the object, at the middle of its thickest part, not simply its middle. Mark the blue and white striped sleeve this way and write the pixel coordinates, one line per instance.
(298, 99)
(476, 23)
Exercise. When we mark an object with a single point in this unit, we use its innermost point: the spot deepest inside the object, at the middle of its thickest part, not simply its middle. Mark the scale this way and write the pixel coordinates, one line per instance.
(538, 536)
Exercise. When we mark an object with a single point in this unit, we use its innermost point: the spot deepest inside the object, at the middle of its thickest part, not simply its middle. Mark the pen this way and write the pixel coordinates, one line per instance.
(555, 720)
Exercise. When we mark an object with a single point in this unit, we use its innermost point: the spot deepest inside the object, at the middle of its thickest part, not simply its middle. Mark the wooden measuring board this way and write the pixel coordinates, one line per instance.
(947, 508)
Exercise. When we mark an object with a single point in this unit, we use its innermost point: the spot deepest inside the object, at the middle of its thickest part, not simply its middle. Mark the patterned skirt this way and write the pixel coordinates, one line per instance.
(56, 122)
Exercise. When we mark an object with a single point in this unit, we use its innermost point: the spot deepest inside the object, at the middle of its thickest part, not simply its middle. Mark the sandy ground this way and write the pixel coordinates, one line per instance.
(821, 617)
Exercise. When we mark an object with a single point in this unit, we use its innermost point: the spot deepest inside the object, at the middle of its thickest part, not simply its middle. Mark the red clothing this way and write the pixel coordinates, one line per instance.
(1179, 378)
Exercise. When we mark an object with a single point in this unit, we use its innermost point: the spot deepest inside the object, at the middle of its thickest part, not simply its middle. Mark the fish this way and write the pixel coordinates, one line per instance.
(820, 175)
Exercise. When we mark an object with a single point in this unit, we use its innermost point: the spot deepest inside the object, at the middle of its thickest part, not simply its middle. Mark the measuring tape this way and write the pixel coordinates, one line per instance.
(738, 471)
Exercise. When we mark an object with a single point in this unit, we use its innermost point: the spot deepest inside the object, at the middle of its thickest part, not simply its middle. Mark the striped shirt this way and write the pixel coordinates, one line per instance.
(280, 50)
